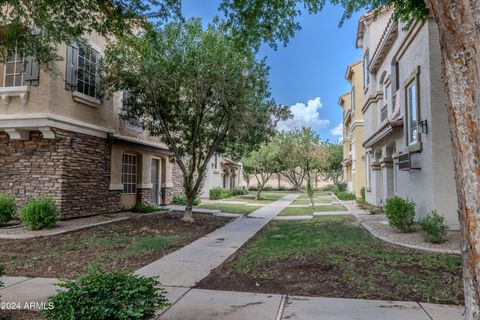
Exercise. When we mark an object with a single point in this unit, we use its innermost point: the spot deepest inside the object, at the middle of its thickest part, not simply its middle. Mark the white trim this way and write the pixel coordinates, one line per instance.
(356, 123)
(85, 99)
(167, 185)
(40, 120)
(47, 133)
(146, 143)
(18, 134)
(144, 185)
(7, 92)
(115, 187)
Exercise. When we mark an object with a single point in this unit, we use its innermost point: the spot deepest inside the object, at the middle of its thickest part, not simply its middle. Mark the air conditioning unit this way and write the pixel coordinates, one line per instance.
(405, 162)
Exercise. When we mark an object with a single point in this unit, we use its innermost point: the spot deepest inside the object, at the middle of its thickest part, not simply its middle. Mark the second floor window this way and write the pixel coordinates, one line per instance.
(82, 70)
(129, 173)
(412, 111)
(14, 71)
(366, 74)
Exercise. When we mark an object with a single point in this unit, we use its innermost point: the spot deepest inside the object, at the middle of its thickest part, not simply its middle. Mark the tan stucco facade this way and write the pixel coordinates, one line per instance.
(353, 135)
(50, 103)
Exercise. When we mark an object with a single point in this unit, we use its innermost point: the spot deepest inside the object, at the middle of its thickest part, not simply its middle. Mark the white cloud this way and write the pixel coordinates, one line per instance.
(304, 116)
(338, 130)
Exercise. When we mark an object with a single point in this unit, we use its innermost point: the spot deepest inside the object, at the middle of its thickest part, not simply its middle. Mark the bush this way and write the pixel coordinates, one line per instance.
(220, 193)
(433, 227)
(40, 213)
(400, 213)
(7, 208)
(346, 196)
(362, 193)
(364, 205)
(141, 207)
(239, 192)
(98, 295)
(328, 187)
(182, 200)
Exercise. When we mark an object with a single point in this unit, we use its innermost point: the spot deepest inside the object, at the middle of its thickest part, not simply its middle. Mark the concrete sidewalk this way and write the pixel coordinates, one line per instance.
(182, 268)
(190, 264)
(199, 304)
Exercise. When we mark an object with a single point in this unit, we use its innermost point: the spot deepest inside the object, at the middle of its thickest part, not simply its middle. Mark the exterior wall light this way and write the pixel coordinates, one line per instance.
(423, 126)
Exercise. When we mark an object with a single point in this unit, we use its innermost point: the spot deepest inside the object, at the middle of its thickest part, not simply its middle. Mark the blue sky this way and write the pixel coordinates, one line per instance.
(308, 74)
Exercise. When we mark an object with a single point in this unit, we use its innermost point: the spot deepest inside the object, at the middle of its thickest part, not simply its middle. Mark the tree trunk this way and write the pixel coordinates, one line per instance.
(188, 215)
(459, 29)
(259, 192)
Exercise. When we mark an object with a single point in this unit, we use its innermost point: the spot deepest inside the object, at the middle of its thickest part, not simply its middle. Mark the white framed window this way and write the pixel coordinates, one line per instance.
(87, 71)
(215, 161)
(412, 113)
(366, 74)
(14, 70)
(129, 173)
(82, 69)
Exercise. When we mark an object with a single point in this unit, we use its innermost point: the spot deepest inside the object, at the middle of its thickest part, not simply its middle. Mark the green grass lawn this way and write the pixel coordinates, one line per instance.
(315, 200)
(231, 208)
(304, 195)
(335, 257)
(308, 211)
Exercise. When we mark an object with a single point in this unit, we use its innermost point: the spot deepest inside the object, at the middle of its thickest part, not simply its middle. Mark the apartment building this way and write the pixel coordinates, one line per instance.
(407, 138)
(60, 138)
(353, 133)
(222, 173)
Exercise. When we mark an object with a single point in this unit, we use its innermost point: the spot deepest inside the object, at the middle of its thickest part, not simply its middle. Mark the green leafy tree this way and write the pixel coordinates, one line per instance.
(263, 165)
(194, 90)
(288, 146)
(36, 27)
(331, 167)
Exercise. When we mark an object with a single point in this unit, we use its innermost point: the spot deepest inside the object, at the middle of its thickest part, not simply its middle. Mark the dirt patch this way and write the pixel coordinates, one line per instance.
(20, 315)
(125, 245)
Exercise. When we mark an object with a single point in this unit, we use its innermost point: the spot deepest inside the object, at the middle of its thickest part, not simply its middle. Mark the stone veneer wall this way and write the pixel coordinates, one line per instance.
(73, 168)
(177, 181)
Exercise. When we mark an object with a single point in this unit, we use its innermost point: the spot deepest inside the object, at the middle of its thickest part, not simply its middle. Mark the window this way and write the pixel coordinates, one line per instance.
(14, 70)
(215, 161)
(82, 70)
(366, 75)
(367, 169)
(87, 71)
(412, 110)
(129, 173)
(353, 99)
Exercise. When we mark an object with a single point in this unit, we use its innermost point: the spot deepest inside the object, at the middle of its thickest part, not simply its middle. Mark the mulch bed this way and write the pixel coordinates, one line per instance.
(125, 245)
(20, 315)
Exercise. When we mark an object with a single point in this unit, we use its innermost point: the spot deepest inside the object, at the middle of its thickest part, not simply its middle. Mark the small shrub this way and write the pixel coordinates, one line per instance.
(220, 193)
(328, 187)
(433, 227)
(400, 213)
(376, 209)
(98, 295)
(182, 200)
(362, 193)
(141, 207)
(7, 208)
(239, 192)
(346, 195)
(40, 213)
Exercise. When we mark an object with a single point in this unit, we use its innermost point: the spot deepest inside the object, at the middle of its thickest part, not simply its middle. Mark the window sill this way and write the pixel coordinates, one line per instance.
(87, 100)
(8, 92)
(416, 147)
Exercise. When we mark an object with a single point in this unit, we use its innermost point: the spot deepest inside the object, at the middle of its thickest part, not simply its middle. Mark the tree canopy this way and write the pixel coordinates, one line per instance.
(194, 90)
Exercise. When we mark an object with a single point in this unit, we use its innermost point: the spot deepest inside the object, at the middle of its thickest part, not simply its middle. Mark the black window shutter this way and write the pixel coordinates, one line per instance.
(32, 71)
(72, 67)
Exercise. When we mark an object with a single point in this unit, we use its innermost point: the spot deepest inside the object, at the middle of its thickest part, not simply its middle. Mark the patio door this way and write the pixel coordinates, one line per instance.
(155, 181)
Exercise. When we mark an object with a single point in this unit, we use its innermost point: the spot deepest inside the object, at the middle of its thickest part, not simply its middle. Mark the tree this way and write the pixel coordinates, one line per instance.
(256, 21)
(191, 87)
(36, 27)
(288, 145)
(332, 167)
(263, 165)
(247, 174)
(311, 155)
